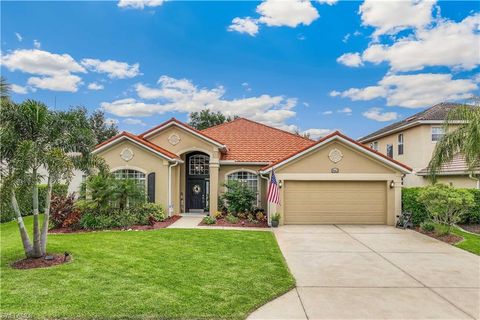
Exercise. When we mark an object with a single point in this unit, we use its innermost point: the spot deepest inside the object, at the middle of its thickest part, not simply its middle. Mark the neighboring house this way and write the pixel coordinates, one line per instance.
(412, 141)
(334, 180)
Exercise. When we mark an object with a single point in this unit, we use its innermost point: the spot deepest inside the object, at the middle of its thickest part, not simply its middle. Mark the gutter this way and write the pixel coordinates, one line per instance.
(269, 222)
(170, 204)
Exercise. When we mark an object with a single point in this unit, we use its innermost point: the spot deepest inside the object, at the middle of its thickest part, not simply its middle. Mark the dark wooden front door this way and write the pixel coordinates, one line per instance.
(196, 194)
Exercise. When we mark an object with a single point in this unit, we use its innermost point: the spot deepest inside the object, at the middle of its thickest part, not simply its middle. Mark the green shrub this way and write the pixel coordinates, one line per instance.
(231, 218)
(209, 220)
(24, 199)
(427, 226)
(446, 204)
(410, 203)
(275, 217)
(148, 213)
(238, 197)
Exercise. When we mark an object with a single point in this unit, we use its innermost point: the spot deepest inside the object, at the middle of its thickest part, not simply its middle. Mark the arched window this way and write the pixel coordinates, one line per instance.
(249, 178)
(198, 164)
(131, 174)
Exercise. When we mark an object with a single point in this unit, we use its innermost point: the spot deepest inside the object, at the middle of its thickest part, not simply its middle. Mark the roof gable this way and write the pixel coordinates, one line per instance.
(139, 141)
(349, 142)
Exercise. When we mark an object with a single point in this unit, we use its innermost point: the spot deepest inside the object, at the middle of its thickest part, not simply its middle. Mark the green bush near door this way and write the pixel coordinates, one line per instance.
(410, 203)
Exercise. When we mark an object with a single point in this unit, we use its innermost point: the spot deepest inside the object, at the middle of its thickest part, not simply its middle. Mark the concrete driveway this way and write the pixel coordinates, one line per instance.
(374, 272)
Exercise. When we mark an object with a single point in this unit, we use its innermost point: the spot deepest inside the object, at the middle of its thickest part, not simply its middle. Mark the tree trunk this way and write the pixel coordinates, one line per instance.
(37, 250)
(27, 245)
(46, 217)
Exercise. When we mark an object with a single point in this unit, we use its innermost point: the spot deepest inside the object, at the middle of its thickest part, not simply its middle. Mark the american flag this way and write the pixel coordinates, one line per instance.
(273, 190)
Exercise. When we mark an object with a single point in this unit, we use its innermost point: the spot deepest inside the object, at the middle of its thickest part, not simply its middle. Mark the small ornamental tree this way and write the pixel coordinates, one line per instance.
(238, 197)
(446, 204)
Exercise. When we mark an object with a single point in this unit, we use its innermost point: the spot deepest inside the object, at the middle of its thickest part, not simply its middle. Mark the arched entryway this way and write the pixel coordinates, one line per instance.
(197, 187)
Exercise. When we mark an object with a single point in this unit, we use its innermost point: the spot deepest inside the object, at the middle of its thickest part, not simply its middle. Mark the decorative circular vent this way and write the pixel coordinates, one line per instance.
(335, 155)
(127, 154)
(174, 139)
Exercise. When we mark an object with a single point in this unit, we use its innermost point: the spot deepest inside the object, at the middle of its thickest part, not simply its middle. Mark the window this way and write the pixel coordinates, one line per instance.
(374, 145)
(250, 179)
(198, 164)
(138, 176)
(390, 150)
(437, 133)
(400, 143)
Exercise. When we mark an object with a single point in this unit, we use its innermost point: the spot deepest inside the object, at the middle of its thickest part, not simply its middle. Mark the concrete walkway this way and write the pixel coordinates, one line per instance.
(374, 272)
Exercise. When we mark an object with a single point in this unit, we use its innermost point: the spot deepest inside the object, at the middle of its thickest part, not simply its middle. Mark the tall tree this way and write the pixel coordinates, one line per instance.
(206, 119)
(462, 135)
(33, 137)
(102, 129)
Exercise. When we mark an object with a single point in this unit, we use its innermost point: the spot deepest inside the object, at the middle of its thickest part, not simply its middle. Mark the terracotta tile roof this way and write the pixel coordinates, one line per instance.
(437, 112)
(144, 142)
(250, 141)
(181, 124)
(456, 166)
(338, 133)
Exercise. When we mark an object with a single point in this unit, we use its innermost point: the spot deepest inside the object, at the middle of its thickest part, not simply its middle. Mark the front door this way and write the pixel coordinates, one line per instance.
(197, 194)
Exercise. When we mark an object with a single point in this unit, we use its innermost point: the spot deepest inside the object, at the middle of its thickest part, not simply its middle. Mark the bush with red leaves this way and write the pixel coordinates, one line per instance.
(63, 213)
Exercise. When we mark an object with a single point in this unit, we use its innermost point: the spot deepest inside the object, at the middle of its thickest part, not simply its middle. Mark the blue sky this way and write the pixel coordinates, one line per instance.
(310, 66)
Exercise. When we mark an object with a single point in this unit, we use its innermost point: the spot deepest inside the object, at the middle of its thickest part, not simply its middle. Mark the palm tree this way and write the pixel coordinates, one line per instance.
(462, 135)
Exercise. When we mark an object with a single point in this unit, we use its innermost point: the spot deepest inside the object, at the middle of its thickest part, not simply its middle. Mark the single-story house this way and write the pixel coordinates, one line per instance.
(333, 180)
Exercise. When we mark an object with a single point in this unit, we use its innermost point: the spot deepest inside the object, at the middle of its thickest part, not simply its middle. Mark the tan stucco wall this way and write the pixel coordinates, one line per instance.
(418, 149)
(354, 166)
(457, 181)
(143, 160)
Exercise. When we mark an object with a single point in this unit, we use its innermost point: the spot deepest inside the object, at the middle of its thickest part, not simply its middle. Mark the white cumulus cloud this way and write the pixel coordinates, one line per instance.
(346, 110)
(377, 115)
(390, 17)
(95, 86)
(139, 4)
(133, 121)
(114, 69)
(181, 95)
(244, 25)
(327, 113)
(317, 133)
(350, 59)
(19, 89)
(37, 44)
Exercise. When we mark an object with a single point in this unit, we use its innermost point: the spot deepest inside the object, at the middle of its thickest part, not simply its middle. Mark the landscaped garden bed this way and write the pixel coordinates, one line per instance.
(448, 238)
(48, 261)
(241, 222)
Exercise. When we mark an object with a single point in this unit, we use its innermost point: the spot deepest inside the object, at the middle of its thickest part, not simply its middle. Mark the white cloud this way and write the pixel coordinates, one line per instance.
(244, 25)
(346, 110)
(350, 59)
(377, 115)
(37, 44)
(114, 69)
(19, 36)
(181, 95)
(289, 13)
(317, 133)
(19, 89)
(41, 62)
(327, 113)
(60, 82)
(390, 17)
(139, 4)
(133, 121)
(329, 2)
(334, 93)
(448, 43)
(278, 13)
(110, 121)
(95, 86)
(416, 90)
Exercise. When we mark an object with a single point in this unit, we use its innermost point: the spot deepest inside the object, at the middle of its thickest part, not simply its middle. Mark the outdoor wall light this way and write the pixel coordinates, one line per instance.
(392, 184)
(280, 183)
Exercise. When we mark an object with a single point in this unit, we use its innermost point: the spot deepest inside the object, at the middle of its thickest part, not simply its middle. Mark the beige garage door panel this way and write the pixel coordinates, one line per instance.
(335, 202)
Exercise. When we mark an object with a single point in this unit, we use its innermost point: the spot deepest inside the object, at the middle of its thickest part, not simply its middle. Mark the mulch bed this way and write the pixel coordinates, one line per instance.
(241, 223)
(449, 238)
(475, 228)
(32, 263)
(158, 225)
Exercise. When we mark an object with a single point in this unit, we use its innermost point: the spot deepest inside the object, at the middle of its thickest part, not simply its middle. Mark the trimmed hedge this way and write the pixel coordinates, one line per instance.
(411, 204)
(24, 198)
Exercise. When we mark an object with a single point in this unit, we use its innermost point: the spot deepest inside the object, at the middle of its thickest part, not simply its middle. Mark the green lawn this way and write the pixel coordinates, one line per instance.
(167, 274)
(470, 243)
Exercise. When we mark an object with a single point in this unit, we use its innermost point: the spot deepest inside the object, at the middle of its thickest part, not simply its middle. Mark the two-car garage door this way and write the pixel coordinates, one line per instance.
(335, 202)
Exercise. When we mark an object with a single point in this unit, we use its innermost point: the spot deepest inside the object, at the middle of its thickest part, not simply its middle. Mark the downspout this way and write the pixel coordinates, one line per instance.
(471, 176)
(268, 204)
(170, 204)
